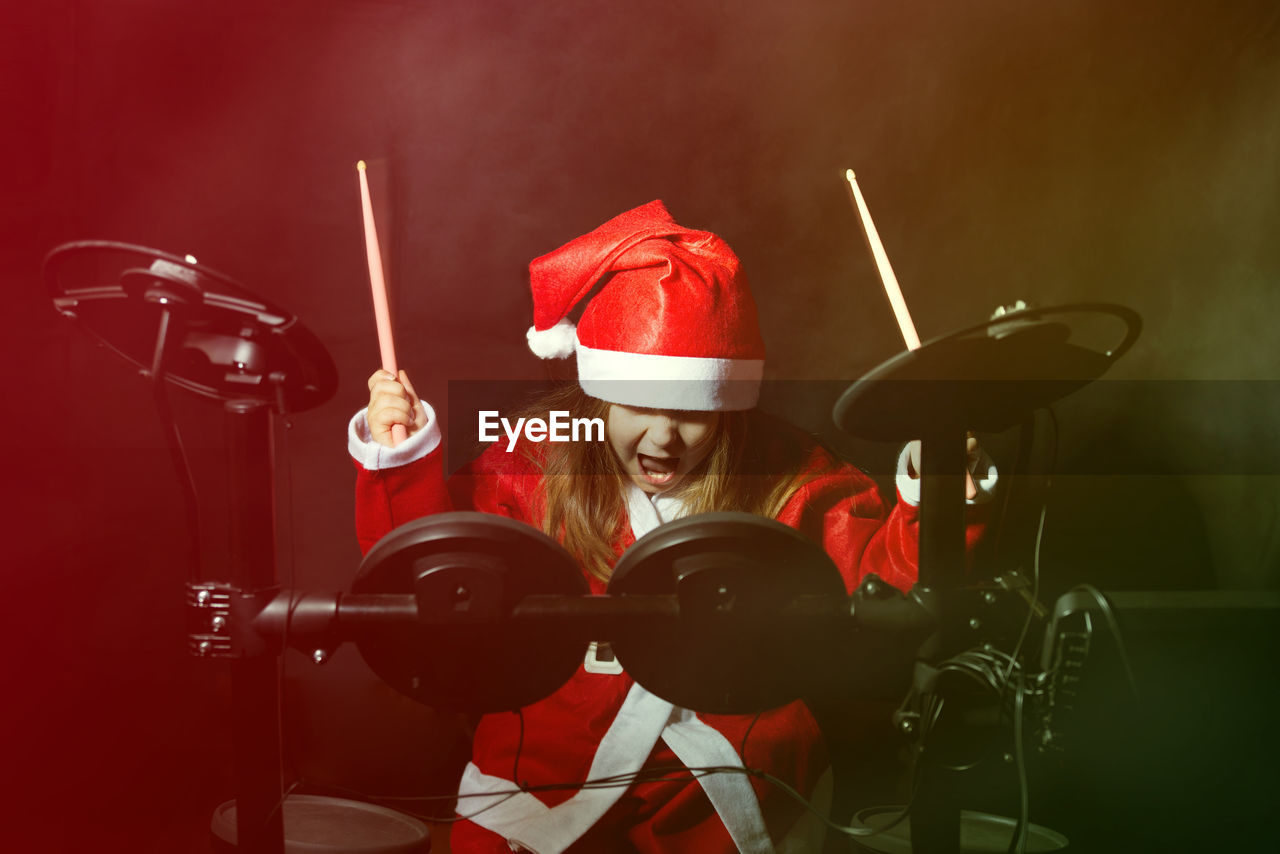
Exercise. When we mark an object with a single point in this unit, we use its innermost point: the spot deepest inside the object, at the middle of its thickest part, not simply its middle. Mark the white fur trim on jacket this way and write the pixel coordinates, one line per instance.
(647, 512)
(373, 455)
(982, 467)
(698, 745)
(522, 819)
(670, 382)
(495, 804)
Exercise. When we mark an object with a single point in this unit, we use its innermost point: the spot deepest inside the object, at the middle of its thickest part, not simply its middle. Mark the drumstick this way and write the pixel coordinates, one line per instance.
(381, 310)
(886, 271)
(891, 285)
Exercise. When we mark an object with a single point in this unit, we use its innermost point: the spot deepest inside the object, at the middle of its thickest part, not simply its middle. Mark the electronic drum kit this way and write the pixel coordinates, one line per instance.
(717, 613)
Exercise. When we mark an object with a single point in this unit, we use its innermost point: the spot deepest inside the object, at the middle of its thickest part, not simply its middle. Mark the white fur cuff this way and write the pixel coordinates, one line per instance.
(985, 478)
(374, 456)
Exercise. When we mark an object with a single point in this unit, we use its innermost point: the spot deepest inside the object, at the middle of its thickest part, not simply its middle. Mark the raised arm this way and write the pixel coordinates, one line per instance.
(398, 483)
(843, 510)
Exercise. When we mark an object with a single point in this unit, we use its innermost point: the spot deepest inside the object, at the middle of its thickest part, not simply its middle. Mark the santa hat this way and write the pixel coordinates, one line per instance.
(672, 326)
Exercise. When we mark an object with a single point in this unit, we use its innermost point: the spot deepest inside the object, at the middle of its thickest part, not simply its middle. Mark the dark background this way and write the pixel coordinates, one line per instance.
(1052, 151)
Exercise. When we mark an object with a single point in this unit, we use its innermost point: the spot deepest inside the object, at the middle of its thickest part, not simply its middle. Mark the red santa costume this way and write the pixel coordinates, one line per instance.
(673, 326)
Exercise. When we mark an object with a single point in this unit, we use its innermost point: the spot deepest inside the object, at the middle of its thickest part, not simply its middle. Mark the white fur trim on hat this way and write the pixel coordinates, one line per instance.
(558, 342)
(670, 382)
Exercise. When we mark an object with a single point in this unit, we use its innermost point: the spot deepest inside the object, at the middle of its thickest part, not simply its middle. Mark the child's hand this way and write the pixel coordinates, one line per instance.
(392, 401)
(971, 446)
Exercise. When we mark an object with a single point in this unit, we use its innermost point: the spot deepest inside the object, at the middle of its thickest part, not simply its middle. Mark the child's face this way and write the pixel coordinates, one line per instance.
(659, 447)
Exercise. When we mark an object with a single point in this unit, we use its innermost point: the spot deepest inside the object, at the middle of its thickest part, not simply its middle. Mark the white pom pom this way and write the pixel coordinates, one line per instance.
(558, 342)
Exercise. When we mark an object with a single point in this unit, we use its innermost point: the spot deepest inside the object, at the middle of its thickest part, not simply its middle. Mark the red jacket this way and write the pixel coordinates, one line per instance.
(840, 508)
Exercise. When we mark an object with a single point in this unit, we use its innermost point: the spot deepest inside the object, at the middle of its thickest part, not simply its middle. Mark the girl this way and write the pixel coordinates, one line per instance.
(669, 356)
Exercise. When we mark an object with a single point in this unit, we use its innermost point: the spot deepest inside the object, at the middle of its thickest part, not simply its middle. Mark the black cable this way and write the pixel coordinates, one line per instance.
(515, 766)
(643, 775)
(454, 819)
(654, 774)
(742, 747)
(983, 666)
(284, 796)
(1035, 592)
(1112, 623)
(391, 801)
(847, 830)
(1035, 558)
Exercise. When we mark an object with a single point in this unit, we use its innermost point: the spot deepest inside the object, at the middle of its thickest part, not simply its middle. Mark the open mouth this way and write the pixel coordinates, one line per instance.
(658, 471)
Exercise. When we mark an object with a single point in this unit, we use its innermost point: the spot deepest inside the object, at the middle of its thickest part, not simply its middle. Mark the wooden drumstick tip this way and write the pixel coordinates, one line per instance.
(360, 165)
(887, 278)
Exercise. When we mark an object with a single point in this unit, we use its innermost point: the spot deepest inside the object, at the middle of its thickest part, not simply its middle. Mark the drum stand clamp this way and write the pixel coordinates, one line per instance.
(209, 619)
(223, 621)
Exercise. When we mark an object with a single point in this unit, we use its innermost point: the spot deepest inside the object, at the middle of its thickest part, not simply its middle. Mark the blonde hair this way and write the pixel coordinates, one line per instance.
(747, 470)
